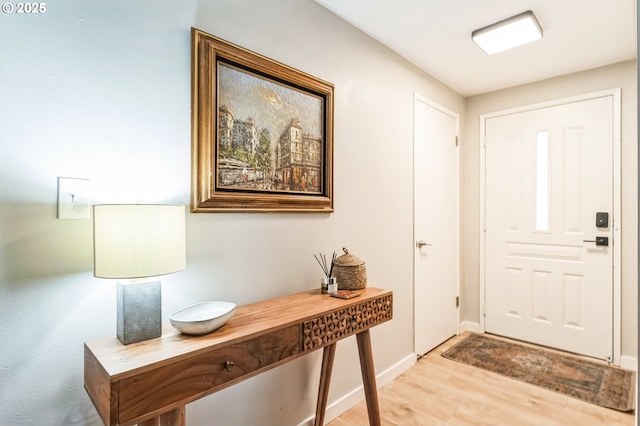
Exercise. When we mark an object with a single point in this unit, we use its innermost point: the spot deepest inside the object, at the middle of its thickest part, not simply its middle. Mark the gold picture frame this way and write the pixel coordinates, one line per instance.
(262, 132)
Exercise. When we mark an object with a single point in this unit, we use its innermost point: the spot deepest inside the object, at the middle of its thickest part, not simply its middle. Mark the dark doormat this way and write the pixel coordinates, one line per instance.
(590, 381)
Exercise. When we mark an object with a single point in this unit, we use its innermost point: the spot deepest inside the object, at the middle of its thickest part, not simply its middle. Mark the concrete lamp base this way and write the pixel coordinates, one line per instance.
(139, 315)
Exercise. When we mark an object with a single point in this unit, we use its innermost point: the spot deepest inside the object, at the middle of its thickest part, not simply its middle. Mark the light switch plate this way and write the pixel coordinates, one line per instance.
(73, 198)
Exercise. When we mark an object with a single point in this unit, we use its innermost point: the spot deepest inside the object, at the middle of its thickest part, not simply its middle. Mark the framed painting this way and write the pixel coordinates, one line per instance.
(262, 133)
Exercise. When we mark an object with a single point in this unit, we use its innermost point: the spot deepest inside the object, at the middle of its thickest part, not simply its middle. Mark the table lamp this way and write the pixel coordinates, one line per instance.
(132, 242)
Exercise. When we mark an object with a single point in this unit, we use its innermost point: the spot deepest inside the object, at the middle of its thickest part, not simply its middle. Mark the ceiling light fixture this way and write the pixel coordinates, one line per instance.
(512, 32)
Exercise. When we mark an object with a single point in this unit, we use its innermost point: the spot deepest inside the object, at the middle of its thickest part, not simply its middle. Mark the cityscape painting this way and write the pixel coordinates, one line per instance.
(262, 133)
(270, 136)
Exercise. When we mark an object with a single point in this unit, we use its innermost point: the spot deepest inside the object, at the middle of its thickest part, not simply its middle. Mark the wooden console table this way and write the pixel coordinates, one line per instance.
(149, 383)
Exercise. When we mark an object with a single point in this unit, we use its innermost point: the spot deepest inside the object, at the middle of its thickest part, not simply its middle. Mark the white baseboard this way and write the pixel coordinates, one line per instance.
(338, 407)
(629, 363)
(469, 326)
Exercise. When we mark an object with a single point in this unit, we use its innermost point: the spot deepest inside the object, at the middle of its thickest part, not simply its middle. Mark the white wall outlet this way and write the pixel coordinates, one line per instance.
(73, 198)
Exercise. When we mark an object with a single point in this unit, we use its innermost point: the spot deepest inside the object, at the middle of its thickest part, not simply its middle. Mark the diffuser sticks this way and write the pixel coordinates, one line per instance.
(322, 261)
(328, 283)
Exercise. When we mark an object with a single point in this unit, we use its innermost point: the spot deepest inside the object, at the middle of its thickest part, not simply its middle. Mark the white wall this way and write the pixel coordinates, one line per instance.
(101, 90)
(621, 75)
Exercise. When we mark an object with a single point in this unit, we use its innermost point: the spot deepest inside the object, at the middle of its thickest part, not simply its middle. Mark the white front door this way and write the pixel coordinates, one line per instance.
(549, 178)
(436, 217)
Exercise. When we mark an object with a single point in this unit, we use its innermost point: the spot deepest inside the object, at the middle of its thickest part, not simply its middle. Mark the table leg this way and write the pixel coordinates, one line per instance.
(328, 354)
(175, 417)
(368, 377)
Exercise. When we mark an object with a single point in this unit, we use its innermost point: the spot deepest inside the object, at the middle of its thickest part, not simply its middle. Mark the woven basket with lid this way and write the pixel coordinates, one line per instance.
(350, 272)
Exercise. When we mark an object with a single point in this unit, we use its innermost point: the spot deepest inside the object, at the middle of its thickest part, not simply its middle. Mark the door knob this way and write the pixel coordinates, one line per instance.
(600, 241)
(421, 244)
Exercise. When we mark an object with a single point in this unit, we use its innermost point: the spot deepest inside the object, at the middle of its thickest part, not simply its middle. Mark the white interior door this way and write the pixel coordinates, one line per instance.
(436, 230)
(548, 173)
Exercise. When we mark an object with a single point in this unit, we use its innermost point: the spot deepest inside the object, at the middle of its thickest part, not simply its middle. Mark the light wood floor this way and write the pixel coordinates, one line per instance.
(438, 391)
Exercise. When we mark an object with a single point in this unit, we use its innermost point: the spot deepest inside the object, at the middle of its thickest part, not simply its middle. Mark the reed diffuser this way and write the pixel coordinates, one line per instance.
(328, 283)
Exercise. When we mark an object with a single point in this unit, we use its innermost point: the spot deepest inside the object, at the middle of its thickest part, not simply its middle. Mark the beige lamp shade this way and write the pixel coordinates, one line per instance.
(138, 240)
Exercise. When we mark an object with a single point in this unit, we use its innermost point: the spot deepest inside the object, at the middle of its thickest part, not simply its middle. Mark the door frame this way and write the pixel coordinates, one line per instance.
(617, 214)
(419, 98)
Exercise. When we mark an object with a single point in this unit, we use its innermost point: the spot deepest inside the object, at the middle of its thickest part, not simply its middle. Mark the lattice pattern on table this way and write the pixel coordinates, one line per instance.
(329, 328)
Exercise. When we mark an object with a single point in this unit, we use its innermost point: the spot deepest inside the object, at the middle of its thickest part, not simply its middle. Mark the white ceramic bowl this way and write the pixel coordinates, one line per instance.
(202, 318)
